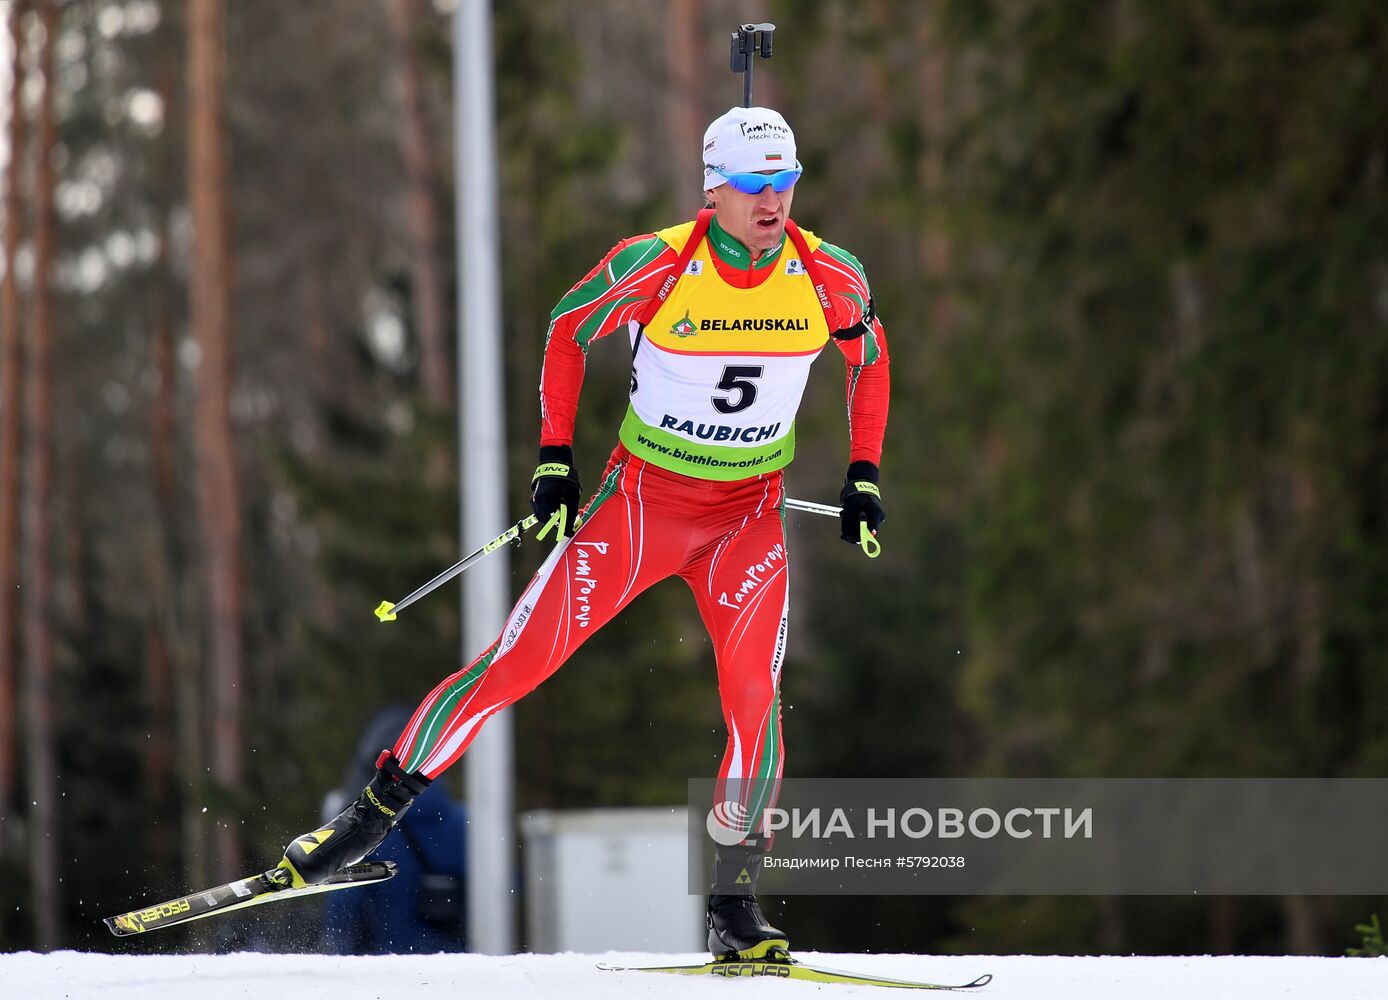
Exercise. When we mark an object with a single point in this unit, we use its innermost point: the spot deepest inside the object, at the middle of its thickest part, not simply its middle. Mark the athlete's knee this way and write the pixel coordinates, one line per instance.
(516, 671)
(745, 697)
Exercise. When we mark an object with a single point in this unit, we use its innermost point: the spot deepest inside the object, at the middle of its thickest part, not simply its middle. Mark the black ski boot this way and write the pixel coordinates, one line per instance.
(357, 830)
(736, 926)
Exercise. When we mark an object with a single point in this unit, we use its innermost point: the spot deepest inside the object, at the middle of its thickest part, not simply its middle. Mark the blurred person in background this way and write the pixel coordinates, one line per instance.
(423, 909)
(724, 316)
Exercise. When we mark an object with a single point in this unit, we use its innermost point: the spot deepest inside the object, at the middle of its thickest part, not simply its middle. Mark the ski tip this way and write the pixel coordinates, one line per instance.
(124, 925)
(982, 980)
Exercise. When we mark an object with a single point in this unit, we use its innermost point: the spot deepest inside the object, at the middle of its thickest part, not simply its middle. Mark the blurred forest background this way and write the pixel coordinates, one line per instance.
(1131, 259)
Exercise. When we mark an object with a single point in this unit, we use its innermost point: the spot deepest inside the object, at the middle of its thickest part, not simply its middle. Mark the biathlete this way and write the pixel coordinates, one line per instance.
(725, 315)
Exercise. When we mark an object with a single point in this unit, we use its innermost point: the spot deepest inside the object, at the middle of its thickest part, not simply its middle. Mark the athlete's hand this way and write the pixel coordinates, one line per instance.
(861, 501)
(555, 487)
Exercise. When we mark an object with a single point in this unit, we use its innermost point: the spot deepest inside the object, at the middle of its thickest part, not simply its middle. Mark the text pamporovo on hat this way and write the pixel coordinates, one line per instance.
(744, 140)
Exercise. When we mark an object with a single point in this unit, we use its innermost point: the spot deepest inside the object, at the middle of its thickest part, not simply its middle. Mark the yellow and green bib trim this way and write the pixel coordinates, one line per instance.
(719, 373)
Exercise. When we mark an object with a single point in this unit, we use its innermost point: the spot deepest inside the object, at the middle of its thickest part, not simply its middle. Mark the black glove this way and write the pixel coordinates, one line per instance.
(861, 501)
(555, 485)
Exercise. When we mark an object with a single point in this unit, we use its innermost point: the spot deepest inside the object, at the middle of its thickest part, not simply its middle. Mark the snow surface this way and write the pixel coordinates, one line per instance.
(92, 976)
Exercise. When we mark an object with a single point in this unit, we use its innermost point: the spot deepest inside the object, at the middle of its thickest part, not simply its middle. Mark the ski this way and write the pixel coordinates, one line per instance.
(263, 888)
(790, 968)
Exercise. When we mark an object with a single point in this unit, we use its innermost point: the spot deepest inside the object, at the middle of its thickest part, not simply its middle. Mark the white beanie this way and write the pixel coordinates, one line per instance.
(744, 140)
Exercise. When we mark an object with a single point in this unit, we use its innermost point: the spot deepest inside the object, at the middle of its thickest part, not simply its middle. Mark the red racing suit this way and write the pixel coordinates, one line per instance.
(694, 489)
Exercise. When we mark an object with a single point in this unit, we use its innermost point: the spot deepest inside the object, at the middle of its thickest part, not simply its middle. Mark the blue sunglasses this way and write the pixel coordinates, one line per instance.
(754, 183)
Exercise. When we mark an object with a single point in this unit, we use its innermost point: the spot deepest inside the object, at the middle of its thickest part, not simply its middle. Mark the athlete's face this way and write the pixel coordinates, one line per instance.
(757, 221)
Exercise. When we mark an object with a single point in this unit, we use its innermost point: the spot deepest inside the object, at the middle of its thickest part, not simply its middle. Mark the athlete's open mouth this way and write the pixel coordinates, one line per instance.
(770, 222)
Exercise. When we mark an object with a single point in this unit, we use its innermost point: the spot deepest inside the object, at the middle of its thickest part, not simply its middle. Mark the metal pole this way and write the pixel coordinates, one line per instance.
(482, 459)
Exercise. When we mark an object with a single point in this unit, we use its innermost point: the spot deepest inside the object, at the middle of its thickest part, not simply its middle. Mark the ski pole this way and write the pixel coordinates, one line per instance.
(749, 41)
(386, 611)
(872, 548)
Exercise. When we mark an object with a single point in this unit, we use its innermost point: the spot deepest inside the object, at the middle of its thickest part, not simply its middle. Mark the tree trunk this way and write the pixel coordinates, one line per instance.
(163, 415)
(41, 772)
(159, 755)
(162, 676)
(934, 119)
(1302, 926)
(683, 111)
(10, 361)
(219, 513)
(71, 584)
(1113, 926)
(1223, 925)
(429, 293)
(170, 606)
